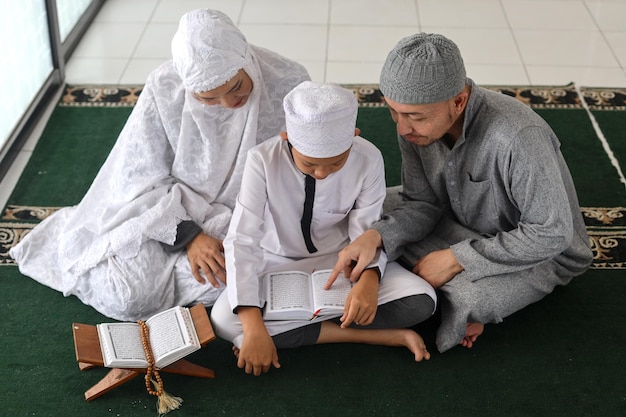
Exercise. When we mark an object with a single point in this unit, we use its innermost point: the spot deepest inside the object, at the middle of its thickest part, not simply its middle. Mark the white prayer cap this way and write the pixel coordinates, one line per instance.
(320, 119)
(207, 50)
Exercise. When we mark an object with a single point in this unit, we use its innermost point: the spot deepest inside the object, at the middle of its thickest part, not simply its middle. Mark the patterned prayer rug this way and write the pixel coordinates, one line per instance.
(606, 225)
(561, 97)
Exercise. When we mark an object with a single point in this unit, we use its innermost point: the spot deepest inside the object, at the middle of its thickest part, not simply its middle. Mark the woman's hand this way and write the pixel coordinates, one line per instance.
(206, 254)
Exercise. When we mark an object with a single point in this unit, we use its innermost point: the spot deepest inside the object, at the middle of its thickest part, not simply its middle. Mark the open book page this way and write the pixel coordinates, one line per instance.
(288, 296)
(121, 345)
(172, 337)
(332, 300)
(296, 295)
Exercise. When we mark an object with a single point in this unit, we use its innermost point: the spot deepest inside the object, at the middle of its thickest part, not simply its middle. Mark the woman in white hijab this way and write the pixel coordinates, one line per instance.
(148, 234)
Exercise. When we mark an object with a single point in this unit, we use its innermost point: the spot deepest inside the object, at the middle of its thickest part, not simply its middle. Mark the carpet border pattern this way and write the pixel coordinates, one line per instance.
(606, 227)
(369, 95)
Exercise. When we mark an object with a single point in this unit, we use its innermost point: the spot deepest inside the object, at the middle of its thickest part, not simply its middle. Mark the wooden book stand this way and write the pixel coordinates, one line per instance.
(89, 355)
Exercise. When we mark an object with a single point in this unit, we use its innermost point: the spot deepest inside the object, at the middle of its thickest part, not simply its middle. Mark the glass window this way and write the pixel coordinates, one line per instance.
(69, 12)
(26, 59)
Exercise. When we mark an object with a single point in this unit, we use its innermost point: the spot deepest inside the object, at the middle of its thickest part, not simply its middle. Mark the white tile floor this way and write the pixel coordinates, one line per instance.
(521, 42)
(503, 41)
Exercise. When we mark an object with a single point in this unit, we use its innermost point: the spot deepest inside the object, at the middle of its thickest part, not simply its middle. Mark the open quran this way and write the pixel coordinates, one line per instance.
(297, 295)
(172, 336)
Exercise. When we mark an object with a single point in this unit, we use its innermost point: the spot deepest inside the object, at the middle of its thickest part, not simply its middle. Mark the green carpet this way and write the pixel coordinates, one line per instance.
(563, 356)
(62, 168)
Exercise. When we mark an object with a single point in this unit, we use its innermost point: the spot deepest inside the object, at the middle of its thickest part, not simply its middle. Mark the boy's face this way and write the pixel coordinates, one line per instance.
(318, 168)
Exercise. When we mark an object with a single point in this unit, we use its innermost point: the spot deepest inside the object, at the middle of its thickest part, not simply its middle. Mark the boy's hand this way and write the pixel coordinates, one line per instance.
(355, 257)
(206, 253)
(258, 352)
(362, 302)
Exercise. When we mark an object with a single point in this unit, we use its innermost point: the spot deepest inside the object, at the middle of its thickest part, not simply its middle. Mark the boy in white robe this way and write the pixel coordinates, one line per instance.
(269, 232)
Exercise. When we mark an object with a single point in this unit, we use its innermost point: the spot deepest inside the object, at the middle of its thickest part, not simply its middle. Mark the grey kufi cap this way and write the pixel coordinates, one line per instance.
(421, 69)
(320, 119)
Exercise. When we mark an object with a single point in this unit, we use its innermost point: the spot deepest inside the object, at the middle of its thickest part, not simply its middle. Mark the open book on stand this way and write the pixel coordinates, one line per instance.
(297, 295)
(172, 337)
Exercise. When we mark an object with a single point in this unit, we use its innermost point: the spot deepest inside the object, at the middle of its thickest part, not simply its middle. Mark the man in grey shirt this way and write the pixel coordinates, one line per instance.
(487, 213)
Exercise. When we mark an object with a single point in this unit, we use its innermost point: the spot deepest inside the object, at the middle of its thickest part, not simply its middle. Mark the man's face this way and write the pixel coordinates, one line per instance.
(423, 124)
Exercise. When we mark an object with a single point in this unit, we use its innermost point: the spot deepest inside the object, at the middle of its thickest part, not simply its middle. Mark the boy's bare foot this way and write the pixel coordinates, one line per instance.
(332, 333)
(472, 332)
(414, 343)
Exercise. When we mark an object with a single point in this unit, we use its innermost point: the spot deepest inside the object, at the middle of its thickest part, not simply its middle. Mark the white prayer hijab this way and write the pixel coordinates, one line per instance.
(207, 50)
(176, 159)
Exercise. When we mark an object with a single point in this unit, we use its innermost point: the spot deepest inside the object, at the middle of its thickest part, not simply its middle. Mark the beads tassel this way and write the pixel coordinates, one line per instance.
(165, 402)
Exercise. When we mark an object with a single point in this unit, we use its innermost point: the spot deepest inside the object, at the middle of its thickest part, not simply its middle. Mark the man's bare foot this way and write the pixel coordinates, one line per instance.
(472, 332)
(236, 351)
(414, 343)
